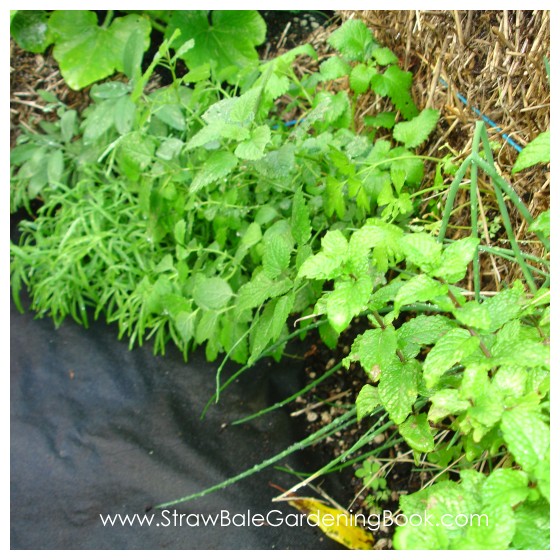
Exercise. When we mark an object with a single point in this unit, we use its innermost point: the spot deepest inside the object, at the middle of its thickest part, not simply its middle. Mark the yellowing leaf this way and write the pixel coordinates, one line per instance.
(337, 524)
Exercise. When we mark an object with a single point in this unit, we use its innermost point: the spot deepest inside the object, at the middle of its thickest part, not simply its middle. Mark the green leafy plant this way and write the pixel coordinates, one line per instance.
(374, 483)
(225, 200)
(192, 214)
(88, 52)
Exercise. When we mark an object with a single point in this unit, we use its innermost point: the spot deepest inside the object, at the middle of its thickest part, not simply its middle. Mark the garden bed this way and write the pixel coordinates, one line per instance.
(372, 283)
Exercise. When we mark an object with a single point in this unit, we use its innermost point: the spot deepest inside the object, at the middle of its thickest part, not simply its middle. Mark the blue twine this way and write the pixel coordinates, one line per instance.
(486, 119)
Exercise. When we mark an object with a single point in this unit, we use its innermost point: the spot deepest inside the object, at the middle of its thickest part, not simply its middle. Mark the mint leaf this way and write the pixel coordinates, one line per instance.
(374, 349)
(455, 260)
(536, 151)
(367, 401)
(217, 166)
(453, 347)
(259, 289)
(532, 526)
(406, 168)
(352, 39)
(417, 130)
(446, 402)
(419, 288)
(212, 293)
(496, 534)
(527, 437)
(473, 314)
(505, 486)
(417, 432)
(504, 306)
(346, 301)
(422, 250)
(398, 388)
(396, 83)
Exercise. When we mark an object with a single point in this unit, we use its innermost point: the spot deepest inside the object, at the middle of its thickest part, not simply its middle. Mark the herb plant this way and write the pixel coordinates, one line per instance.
(193, 214)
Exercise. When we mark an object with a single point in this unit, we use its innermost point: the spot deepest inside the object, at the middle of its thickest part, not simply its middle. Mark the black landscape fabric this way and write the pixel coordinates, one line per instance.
(97, 429)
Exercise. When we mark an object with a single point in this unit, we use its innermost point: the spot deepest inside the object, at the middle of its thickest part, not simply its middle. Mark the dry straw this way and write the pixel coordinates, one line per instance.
(497, 61)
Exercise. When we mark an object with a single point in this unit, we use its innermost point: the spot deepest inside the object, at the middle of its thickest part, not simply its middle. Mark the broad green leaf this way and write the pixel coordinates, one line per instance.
(320, 266)
(277, 255)
(125, 111)
(417, 289)
(374, 349)
(417, 432)
(55, 167)
(542, 474)
(398, 389)
(170, 148)
(277, 163)
(367, 401)
(536, 151)
(217, 166)
(446, 402)
(259, 289)
(511, 380)
(301, 225)
(416, 130)
(527, 437)
(424, 329)
(505, 486)
(244, 107)
(352, 39)
(184, 322)
(253, 148)
(453, 347)
(360, 78)
(207, 326)
(133, 53)
(422, 250)
(30, 30)
(406, 168)
(68, 125)
(473, 315)
(334, 67)
(136, 152)
(334, 197)
(346, 301)
(334, 244)
(455, 260)
(494, 531)
(542, 224)
(385, 119)
(87, 53)
(395, 83)
(227, 38)
(440, 511)
(99, 120)
(212, 293)
(384, 56)
(386, 241)
(504, 306)
(532, 526)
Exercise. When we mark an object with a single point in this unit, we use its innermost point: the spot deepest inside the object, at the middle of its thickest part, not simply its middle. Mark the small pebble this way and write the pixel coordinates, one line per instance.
(312, 375)
(379, 439)
(314, 25)
(312, 416)
(303, 23)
